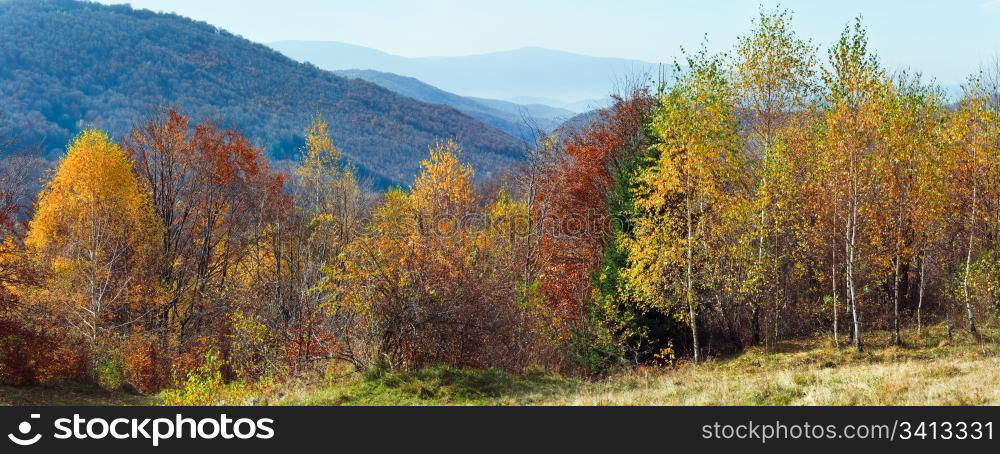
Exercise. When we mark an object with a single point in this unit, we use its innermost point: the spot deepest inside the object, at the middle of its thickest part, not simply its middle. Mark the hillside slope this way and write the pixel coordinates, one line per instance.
(67, 65)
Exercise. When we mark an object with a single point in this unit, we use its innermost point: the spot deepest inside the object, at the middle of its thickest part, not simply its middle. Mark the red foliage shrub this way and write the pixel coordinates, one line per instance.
(16, 364)
(144, 366)
(30, 356)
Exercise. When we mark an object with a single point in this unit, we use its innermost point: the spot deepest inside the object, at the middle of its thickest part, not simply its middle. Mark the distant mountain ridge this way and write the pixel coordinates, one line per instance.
(564, 77)
(518, 120)
(67, 65)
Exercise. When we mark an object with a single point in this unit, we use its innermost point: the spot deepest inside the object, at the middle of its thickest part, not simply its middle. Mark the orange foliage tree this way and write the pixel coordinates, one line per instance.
(219, 202)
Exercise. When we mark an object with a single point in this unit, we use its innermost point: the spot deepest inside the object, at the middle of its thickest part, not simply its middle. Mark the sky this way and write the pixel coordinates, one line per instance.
(945, 40)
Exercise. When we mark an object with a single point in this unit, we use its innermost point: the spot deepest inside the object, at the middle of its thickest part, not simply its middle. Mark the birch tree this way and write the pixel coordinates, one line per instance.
(854, 90)
(96, 233)
(695, 129)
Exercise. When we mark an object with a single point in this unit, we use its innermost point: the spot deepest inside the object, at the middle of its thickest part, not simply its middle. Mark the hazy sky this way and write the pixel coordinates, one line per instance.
(943, 39)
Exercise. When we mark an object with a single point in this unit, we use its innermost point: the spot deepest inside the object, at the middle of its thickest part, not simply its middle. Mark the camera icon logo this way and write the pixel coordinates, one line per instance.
(25, 428)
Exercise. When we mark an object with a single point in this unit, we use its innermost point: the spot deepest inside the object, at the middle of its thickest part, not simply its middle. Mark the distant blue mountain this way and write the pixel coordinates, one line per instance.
(522, 121)
(561, 78)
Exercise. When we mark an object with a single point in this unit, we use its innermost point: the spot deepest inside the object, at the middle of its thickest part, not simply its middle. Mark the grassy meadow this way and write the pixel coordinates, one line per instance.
(927, 370)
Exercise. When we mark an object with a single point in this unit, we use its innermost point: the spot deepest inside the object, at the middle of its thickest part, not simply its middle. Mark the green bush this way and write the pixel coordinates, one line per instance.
(109, 370)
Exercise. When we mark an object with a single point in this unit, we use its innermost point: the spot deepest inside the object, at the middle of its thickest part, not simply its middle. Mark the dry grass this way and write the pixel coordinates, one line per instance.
(960, 380)
(810, 373)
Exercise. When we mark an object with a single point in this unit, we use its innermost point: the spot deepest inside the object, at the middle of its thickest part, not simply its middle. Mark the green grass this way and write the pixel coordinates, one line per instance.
(69, 394)
(432, 386)
(924, 371)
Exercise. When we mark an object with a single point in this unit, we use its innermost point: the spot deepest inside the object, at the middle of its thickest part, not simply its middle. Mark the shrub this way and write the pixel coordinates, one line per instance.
(65, 362)
(109, 370)
(141, 364)
(254, 350)
(205, 386)
(29, 356)
(16, 366)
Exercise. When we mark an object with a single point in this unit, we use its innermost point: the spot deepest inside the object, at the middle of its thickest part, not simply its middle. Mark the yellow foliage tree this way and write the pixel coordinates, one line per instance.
(444, 187)
(773, 73)
(856, 93)
(678, 196)
(328, 213)
(430, 283)
(94, 231)
(971, 183)
(910, 134)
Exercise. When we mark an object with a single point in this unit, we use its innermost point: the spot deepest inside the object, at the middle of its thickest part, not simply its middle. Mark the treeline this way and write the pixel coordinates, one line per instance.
(145, 261)
(760, 196)
(763, 195)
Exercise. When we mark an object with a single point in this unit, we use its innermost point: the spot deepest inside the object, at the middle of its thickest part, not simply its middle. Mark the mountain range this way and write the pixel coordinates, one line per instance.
(520, 120)
(66, 66)
(528, 75)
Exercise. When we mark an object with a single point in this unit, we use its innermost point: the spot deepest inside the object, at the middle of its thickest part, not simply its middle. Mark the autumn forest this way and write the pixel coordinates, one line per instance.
(780, 191)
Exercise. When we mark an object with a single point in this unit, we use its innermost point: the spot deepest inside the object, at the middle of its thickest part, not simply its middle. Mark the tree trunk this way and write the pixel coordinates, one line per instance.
(920, 293)
(760, 261)
(851, 233)
(833, 285)
(968, 267)
(690, 283)
(895, 301)
(833, 277)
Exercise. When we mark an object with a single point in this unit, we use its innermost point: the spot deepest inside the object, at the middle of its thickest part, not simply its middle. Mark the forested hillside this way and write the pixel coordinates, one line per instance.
(67, 65)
